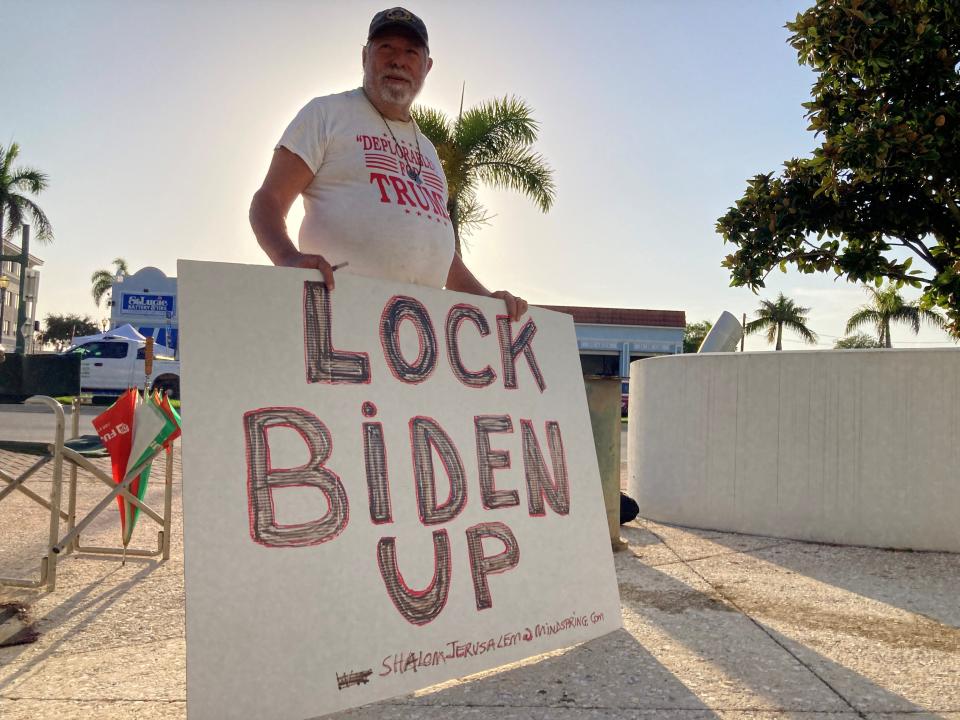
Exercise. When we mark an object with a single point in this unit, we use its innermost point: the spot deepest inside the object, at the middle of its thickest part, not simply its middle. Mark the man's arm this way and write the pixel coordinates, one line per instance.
(287, 177)
(460, 278)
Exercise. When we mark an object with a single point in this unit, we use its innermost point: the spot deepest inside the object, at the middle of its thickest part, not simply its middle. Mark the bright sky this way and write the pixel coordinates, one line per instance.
(156, 120)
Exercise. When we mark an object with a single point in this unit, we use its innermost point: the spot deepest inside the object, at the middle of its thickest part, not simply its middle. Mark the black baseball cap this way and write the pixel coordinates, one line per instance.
(401, 19)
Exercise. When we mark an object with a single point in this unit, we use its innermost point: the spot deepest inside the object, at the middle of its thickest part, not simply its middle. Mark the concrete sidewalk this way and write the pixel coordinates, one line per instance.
(716, 625)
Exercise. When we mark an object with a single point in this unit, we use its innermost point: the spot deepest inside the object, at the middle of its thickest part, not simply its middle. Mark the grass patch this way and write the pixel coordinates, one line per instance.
(67, 401)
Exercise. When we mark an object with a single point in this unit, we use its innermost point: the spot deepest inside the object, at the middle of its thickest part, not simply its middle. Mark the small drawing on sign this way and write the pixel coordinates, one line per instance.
(353, 678)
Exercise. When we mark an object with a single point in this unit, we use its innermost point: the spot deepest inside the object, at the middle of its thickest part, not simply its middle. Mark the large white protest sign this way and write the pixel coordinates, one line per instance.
(385, 487)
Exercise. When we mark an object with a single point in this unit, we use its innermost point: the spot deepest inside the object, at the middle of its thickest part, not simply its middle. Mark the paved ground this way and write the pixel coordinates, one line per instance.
(716, 625)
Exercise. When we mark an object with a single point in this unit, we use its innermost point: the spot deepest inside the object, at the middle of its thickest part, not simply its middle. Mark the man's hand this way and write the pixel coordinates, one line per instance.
(460, 278)
(306, 260)
(516, 306)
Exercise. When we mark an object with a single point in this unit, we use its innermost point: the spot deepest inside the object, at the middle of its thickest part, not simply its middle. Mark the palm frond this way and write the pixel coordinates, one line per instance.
(864, 316)
(772, 333)
(9, 154)
(15, 218)
(471, 215)
(41, 222)
(489, 128)
(907, 315)
(434, 125)
(29, 180)
(757, 325)
(100, 287)
(808, 335)
(767, 309)
(932, 318)
(521, 170)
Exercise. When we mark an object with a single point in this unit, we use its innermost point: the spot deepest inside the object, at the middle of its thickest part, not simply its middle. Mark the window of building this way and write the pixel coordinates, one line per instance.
(603, 365)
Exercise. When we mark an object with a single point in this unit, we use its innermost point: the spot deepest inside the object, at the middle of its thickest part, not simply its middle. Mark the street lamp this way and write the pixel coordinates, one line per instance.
(4, 281)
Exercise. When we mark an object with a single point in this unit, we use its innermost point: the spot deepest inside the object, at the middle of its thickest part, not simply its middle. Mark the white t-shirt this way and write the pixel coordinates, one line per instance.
(362, 206)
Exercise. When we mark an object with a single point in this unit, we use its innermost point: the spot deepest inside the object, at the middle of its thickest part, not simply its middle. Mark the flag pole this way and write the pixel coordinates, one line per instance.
(147, 372)
(147, 365)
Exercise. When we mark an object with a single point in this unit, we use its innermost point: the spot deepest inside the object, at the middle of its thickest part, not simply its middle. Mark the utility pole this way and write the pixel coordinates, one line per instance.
(743, 333)
(22, 302)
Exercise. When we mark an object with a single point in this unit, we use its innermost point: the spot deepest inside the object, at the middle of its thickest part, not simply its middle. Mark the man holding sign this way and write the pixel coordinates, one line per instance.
(374, 190)
(406, 489)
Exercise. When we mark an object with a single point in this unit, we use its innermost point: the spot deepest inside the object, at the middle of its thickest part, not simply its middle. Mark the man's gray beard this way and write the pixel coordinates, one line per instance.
(395, 96)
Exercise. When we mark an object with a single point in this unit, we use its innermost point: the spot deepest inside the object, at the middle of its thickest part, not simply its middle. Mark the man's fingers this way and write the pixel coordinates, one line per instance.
(318, 262)
(516, 306)
(521, 308)
(511, 303)
(326, 270)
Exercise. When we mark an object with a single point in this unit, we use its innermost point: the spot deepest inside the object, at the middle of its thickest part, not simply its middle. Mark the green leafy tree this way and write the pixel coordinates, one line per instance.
(857, 342)
(491, 143)
(773, 317)
(102, 280)
(882, 188)
(16, 183)
(62, 328)
(694, 334)
(887, 306)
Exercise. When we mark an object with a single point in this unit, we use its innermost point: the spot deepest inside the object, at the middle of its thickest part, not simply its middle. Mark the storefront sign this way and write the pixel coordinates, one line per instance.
(142, 304)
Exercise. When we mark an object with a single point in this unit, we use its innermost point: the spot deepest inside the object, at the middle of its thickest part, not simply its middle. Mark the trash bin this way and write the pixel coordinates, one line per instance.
(603, 402)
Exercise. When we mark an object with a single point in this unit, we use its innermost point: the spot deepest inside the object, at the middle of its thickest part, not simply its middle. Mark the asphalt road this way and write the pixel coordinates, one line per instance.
(36, 422)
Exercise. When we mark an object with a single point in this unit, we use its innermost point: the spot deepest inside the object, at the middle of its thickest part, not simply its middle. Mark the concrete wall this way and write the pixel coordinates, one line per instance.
(855, 447)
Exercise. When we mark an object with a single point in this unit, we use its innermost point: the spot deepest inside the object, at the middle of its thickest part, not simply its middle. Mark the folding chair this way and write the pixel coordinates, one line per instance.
(76, 452)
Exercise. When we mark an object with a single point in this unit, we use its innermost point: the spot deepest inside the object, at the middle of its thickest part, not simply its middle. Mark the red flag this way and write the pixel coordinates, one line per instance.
(164, 403)
(115, 428)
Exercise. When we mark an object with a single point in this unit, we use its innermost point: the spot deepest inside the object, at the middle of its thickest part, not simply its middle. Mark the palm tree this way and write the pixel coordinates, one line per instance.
(15, 206)
(103, 279)
(774, 316)
(490, 143)
(887, 306)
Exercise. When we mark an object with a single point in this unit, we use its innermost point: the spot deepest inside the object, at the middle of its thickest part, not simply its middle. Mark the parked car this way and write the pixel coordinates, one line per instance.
(110, 365)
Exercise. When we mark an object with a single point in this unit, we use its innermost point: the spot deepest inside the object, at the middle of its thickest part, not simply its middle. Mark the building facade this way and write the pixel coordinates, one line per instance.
(10, 299)
(148, 301)
(609, 339)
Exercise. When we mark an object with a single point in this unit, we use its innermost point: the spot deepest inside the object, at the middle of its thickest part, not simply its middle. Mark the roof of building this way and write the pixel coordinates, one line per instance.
(10, 248)
(622, 316)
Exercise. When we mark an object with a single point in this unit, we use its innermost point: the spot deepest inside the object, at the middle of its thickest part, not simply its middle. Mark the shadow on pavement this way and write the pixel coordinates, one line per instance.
(87, 603)
(924, 583)
(614, 673)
